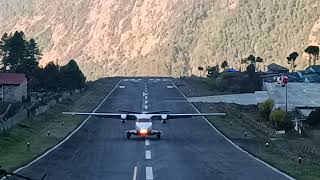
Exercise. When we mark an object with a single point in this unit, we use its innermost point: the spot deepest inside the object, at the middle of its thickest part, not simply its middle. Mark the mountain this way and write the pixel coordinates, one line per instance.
(164, 37)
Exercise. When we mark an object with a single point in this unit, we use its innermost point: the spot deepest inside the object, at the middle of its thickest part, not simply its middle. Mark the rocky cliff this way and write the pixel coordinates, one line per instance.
(164, 37)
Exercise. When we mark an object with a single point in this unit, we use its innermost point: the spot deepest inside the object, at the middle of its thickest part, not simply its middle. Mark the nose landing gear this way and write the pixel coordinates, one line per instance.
(159, 135)
(128, 135)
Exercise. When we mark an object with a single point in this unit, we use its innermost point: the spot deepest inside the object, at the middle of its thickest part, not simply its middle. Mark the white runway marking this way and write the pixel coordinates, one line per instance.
(146, 107)
(122, 87)
(147, 142)
(227, 139)
(146, 97)
(70, 135)
(312, 90)
(135, 173)
(146, 102)
(149, 173)
(148, 154)
(170, 87)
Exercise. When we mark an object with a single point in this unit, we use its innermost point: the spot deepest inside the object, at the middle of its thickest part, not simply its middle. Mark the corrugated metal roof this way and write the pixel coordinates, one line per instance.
(276, 67)
(12, 78)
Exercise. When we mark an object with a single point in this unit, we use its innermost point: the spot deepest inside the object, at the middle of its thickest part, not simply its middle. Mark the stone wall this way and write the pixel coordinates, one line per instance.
(12, 93)
(15, 93)
(6, 124)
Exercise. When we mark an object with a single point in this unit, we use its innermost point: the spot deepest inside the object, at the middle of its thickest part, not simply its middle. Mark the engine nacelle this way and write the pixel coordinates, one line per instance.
(164, 118)
(123, 118)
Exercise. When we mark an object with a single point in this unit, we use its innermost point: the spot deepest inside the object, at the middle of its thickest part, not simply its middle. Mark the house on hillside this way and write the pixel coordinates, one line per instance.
(13, 87)
(312, 78)
(313, 69)
(276, 68)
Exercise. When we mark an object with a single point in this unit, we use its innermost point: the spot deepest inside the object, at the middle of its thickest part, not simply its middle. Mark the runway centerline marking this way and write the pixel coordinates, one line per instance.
(146, 97)
(135, 170)
(148, 154)
(147, 142)
(149, 173)
(146, 102)
(146, 107)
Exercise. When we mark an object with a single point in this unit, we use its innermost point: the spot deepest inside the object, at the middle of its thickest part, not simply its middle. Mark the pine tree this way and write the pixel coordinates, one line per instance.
(4, 51)
(71, 76)
(17, 48)
(50, 77)
(224, 65)
(18, 55)
(32, 58)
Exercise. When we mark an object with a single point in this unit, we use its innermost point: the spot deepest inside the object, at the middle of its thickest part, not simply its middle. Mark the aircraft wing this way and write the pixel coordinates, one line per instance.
(105, 115)
(181, 116)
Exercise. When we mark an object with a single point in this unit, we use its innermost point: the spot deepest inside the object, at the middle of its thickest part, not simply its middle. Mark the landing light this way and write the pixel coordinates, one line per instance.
(143, 131)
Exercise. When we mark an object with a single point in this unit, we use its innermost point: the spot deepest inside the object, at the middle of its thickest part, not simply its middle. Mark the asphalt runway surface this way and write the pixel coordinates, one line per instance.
(188, 149)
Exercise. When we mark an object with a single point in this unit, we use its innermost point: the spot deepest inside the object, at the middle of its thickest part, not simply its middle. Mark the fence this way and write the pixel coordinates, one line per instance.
(6, 124)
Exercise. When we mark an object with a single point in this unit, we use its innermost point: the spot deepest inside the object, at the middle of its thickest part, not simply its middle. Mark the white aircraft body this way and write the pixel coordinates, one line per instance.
(143, 121)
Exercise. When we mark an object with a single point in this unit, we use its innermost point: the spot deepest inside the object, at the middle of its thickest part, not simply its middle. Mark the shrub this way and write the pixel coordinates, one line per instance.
(314, 118)
(265, 108)
(281, 120)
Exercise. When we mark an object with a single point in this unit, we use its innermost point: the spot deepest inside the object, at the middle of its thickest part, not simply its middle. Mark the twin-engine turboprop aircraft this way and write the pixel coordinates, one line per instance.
(144, 120)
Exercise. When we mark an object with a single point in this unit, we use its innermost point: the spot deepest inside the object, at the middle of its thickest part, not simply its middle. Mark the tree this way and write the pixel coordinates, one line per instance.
(280, 120)
(242, 61)
(17, 52)
(292, 59)
(313, 52)
(259, 60)
(33, 56)
(251, 60)
(212, 71)
(224, 65)
(50, 77)
(19, 55)
(4, 50)
(71, 76)
(265, 108)
(200, 70)
(251, 71)
(314, 117)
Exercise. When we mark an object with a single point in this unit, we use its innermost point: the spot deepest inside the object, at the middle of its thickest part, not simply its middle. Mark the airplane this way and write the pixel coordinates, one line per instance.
(143, 121)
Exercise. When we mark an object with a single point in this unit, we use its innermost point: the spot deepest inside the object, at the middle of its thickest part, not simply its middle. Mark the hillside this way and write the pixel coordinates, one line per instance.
(163, 37)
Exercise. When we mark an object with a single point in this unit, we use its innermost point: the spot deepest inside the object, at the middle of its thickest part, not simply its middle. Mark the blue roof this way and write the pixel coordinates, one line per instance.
(232, 70)
(315, 68)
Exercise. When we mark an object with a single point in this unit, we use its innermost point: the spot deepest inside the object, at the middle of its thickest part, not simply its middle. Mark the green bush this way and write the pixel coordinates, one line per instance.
(314, 118)
(281, 120)
(265, 108)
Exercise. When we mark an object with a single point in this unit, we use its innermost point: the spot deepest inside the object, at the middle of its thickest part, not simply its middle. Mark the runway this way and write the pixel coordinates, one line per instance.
(188, 149)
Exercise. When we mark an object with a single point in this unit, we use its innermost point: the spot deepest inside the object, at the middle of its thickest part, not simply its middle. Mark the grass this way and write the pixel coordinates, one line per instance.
(282, 153)
(3, 107)
(13, 149)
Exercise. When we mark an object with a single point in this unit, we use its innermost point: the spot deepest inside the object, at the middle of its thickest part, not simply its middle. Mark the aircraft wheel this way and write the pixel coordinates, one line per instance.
(158, 135)
(128, 135)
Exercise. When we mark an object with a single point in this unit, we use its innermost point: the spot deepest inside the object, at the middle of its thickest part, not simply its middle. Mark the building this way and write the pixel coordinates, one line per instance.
(13, 87)
(313, 69)
(275, 68)
(312, 78)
